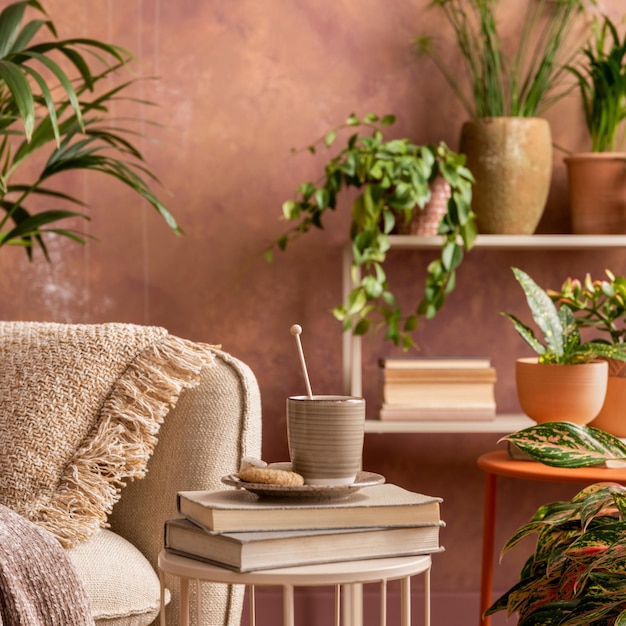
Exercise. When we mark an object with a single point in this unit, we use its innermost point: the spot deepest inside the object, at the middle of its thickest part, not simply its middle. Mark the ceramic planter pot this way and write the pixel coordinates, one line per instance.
(325, 436)
(561, 393)
(597, 192)
(511, 160)
(612, 416)
(425, 222)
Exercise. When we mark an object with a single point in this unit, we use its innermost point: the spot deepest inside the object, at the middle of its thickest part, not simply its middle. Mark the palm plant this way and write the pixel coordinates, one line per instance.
(602, 82)
(501, 84)
(51, 122)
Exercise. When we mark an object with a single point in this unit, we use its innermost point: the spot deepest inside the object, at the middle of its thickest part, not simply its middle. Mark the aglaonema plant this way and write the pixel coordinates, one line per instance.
(576, 574)
(565, 444)
(599, 304)
(562, 340)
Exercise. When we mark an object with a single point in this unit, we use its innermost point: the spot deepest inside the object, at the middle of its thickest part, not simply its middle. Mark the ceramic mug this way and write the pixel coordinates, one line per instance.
(325, 435)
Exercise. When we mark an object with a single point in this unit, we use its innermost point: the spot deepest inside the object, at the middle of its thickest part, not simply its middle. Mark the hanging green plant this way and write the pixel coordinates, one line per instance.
(393, 177)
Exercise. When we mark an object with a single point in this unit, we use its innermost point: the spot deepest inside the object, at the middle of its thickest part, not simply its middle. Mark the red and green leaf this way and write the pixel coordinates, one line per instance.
(564, 444)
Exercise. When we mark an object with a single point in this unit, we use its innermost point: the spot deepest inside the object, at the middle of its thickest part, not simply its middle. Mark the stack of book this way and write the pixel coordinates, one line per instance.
(437, 389)
(240, 531)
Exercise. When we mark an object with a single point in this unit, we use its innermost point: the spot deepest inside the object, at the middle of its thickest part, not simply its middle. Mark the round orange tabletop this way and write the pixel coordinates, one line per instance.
(500, 463)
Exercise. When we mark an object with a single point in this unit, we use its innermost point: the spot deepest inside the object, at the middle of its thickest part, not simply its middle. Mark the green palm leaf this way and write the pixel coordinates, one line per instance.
(45, 106)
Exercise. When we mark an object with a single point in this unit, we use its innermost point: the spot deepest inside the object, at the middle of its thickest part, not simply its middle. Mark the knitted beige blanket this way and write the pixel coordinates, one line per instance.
(38, 584)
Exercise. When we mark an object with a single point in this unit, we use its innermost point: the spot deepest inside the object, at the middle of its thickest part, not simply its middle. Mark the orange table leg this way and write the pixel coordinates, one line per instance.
(489, 524)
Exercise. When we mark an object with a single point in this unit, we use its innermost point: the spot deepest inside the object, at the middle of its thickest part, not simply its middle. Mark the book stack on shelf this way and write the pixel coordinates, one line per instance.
(437, 389)
(242, 532)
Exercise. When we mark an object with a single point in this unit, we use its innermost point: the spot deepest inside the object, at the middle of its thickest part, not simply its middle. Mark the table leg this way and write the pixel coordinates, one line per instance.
(489, 523)
(251, 605)
(405, 600)
(383, 602)
(337, 605)
(288, 610)
(353, 604)
(184, 602)
(198, 602)
(162, 601)
(427, 597)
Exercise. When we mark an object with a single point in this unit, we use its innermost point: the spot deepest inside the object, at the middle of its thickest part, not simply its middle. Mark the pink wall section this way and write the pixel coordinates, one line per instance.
(241, 83)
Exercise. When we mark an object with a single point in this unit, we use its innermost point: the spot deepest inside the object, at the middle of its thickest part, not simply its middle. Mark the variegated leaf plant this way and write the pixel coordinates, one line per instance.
(562, 340)
(564, 444)
(577, 573)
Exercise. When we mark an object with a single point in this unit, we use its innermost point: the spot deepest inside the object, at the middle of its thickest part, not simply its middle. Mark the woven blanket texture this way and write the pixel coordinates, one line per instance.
(80, 410)
(38, 584)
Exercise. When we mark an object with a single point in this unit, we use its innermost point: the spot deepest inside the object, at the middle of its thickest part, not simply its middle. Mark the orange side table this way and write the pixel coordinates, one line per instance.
(499, 463)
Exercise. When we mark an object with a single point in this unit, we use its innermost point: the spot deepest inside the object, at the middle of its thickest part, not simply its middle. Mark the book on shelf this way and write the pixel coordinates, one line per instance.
(439, 395)
(239, 510)
(439, 375)
(255, 550)
(400, 413)
(409, 363)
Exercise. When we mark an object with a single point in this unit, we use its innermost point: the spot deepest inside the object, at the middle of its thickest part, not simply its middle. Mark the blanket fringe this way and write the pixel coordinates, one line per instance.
(124, 438)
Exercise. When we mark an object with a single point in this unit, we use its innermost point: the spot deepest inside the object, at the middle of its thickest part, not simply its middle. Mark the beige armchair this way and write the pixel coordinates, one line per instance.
(215, 421)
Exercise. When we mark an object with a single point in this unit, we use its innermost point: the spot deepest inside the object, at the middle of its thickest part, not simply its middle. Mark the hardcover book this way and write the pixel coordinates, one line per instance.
(239, 510)
(249, 551)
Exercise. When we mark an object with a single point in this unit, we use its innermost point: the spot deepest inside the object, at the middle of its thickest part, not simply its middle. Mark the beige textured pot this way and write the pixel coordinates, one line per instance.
(561, 393)
(325, 436)
(597, 192)
(511, 160)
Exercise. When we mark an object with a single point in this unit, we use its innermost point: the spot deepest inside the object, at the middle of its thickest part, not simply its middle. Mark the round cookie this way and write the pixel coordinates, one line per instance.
(269, 476)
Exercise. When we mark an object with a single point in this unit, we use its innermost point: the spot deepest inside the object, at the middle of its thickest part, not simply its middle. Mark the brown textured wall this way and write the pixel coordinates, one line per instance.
(241, 83)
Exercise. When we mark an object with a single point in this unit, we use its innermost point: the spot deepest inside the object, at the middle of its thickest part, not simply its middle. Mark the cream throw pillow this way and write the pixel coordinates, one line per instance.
(80, 409)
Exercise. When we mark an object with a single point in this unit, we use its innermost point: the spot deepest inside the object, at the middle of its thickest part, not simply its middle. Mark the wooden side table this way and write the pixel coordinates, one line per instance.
(499, 463)
(346, 575)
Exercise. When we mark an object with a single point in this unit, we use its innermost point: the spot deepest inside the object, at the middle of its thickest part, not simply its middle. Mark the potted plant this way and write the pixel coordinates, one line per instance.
(601, 305)
(597, 179)
(567, 381)
(54, 117)
(508, 146)
(392, 179)
(575, 574)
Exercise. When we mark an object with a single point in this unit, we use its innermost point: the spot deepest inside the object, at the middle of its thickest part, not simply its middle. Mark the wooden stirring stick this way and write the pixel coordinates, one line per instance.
(296, 331)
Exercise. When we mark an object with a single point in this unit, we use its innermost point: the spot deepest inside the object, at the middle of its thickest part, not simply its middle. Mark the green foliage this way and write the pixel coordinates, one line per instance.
(602, 83)
(58, 122)
(562, 341)
(597, 304)
(522, 83)
(393, 177)
(564, 444)
(576, 574)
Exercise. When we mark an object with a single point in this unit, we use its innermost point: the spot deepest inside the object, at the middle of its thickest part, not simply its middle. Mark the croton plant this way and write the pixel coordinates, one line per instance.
(577, 572)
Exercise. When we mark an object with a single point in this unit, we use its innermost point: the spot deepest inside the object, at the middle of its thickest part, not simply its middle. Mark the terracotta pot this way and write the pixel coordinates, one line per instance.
(612, 416)
(425, 222)
(597, 192)
(561, 393)
(511, 160)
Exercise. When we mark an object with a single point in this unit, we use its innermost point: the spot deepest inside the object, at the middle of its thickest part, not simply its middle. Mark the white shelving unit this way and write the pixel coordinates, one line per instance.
(352, 355)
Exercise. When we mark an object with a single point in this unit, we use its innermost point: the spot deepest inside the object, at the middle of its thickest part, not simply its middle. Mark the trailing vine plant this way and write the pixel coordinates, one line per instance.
(393, 177)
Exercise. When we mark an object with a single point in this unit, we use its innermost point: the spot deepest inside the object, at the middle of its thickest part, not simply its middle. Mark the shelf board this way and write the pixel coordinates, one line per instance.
(504, 424)
(517, 242)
